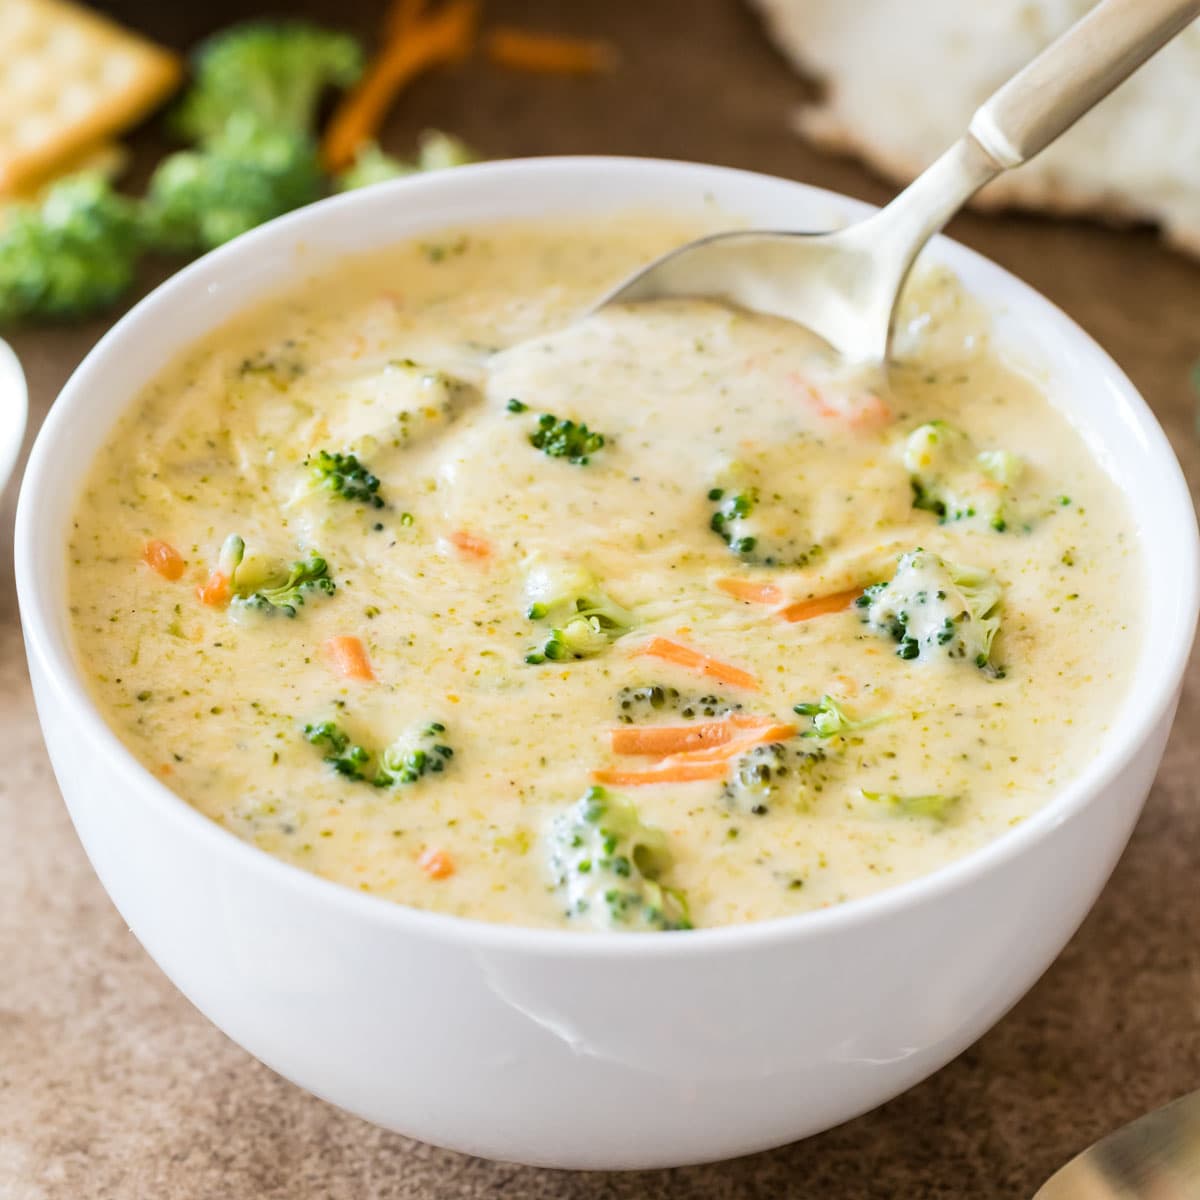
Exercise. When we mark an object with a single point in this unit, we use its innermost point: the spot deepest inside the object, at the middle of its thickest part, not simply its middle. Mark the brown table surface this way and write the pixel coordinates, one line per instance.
(112, 1086)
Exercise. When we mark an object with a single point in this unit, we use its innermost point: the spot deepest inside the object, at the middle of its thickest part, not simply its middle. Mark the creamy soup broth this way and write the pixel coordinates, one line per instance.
(500, 628)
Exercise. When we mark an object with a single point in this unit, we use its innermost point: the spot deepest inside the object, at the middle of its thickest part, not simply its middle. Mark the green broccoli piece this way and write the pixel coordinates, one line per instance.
(830, 719)
(936, 609)
(286, 595)
(406, 760)
(304, 577)
(71, 254)
(957, 482)
(346, 757)
(608, 867)
(585, 622)
(731, 512)
(245, 175)
(436, 151)
(932, 807)
(558, 437)
(372, 165)
(345, 476)
(409, 758)
(273, 72)
(636, 703)
(776, 771)
(759, 526)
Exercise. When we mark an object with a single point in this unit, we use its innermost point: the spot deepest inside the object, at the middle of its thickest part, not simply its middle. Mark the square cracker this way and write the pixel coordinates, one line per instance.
(68, 79)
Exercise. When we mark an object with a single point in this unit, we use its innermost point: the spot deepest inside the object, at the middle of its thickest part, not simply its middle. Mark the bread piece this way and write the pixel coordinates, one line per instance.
(69, 79)
(902, 80)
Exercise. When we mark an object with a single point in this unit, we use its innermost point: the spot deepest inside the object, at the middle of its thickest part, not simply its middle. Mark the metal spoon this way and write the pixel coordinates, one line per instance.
(1156, 1157)
(843, 285)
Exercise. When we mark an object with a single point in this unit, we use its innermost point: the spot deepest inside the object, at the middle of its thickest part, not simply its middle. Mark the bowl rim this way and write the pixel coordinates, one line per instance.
(14, 411)
(60, 670)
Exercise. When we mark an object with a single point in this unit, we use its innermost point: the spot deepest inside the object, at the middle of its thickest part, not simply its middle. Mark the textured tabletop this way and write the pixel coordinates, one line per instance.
(112, 1086)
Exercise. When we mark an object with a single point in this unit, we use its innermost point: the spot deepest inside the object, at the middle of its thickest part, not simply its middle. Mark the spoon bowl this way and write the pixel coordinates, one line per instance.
(844, 285)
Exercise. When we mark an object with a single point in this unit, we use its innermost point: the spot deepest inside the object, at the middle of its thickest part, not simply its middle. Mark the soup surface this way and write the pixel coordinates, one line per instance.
(654, 619)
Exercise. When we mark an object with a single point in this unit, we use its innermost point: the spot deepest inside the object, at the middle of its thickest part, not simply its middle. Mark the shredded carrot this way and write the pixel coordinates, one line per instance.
(871, 412)
(751, 590)
(163, 559)
(401, 16)
(348, 657)
(437, 864)
(710, 761)
(671, 771)
(660, 740)
(818, 606)
(470, 545)
(418, 42)
(685, 656)
(549, 53)
(813, 397)
(861, 412)
(215, 590)
(770, 732)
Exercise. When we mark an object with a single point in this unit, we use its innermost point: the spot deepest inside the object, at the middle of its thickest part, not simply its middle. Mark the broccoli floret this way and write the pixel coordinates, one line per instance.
(346, 757)
(830, 719)
(585, 621)
(253, 593)
(634, 704)
(932, 807)
(244, 175)
(777, 771)
(372, 165)
(608, 867)
(414, 755)
(558, 437)
(760, 528)
(70, 254)
(936, 609)
(271, 71)
(953, 479)
(436, 151)
(729, 518)
(409, 758)
(304, 577)
(345, 476)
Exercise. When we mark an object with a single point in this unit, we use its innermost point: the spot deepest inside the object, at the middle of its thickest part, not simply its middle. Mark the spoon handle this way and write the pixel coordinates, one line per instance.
(1074, 73)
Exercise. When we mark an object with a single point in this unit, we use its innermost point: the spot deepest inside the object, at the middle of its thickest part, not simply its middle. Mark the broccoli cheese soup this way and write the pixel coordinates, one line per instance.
(652, 619)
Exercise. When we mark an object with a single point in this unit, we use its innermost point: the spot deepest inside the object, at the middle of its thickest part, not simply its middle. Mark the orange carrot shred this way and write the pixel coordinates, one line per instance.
(401, 16)
(415, 45)
(549, 53)
(751, 590)
(693, 660)
(163, 559)
(470, 545)
(348, 657)
(215, 590)
(437, 864)
(818, 606)
(708, 762)
(659, 740)
(670, 772)
(871, 412)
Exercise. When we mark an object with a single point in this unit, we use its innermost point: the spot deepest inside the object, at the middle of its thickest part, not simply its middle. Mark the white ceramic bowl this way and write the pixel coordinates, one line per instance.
(14, 401)
(591, 1050)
